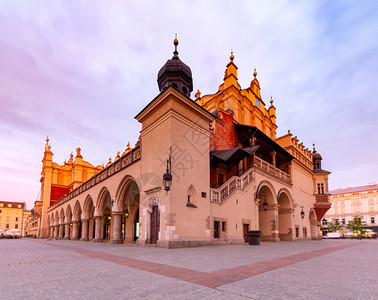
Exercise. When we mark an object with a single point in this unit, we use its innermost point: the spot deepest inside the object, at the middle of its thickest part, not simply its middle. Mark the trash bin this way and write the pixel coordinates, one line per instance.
(254, 237)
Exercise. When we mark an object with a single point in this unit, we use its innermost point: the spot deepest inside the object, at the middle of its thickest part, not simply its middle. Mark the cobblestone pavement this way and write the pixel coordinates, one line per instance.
(328, 269)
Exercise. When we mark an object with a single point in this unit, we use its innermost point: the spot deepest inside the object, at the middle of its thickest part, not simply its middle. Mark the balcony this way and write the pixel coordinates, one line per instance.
(267, 167)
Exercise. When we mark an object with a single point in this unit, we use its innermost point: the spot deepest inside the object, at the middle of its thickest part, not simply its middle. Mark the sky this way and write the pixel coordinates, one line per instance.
(79, 71)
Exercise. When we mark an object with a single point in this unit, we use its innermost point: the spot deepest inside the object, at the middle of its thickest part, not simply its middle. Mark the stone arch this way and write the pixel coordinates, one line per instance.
(56, 218)
(313, 224)
(61, 216)
(268, 219)
(77, 211)
(88, 215)
(285, 213)
(191, 196)
(127, 211)
(104, 202)
(68, 214)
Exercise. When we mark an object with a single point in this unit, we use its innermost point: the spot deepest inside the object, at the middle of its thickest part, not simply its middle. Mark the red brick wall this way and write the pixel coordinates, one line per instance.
(224, 135)
(58, 192)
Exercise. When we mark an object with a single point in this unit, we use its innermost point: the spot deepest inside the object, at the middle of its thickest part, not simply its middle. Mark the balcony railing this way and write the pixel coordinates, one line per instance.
(262, 164)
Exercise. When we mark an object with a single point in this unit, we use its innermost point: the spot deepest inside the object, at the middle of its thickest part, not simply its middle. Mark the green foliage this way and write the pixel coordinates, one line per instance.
(356, 224)
(334, 225)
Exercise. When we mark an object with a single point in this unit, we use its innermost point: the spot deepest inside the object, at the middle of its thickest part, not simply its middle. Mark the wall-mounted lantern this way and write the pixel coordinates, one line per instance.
(265, 204)
(302, 213)
(167, 177)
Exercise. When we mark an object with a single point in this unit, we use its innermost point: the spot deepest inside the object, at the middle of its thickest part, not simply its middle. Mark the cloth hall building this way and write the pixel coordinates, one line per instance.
(229, 174)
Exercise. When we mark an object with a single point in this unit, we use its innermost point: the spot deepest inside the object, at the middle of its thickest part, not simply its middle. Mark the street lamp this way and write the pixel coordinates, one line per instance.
(302, 213)
(167, 177)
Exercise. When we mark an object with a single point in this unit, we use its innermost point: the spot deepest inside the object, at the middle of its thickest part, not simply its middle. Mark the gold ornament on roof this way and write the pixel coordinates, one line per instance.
(128, 149)
(47, 146)
(117, 157)
(271, 100)
(232, 56)
(255, 74)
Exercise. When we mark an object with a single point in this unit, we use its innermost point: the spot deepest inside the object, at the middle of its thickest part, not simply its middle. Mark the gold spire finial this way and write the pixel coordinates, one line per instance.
(255, 73)
(313, 145)
(175, 42)
(271, 100)
(47, 146)
(47, 139)
(232, 56)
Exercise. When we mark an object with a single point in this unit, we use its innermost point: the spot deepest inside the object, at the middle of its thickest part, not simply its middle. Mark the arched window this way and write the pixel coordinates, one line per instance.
(191, 198)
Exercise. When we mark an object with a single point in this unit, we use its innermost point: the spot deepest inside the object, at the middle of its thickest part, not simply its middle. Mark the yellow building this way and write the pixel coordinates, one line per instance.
(354, 201)
(12, 215)
(225, 173)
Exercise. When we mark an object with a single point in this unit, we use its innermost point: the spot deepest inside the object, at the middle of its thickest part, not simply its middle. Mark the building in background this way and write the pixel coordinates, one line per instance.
(12, 215)
(354, 201)
(225, 173)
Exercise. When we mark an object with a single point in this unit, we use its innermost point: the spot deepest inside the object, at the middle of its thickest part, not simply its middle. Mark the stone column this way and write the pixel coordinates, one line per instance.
(61, 231)
(98, 220)
(51, 232)
(274, 153)
(56, 231)
(116, 238)
(84, 228)
(67, 231)
(75, 230)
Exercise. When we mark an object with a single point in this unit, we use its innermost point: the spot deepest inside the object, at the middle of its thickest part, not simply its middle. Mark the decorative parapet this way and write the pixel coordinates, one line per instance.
(125, 161)
(267, 167)
(235, 183)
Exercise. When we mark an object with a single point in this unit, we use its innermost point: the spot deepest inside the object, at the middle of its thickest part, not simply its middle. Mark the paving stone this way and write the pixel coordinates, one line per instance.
(339, 269)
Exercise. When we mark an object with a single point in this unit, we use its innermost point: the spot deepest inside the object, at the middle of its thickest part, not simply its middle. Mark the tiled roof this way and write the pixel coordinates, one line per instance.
(14, 204)
(355, 189)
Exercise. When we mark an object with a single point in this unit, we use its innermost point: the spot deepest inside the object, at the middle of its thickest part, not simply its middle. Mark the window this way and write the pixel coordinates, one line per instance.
(342, 221)
(7, 226)
(7, 218)
(1, 211)
(304, 231)
(188, 198)
(9, 205)
(1, 204)
(17, 219)
(16, 226)
(17, 212)
(372, 220)
(19, 206)
(320, 188)
(297, 231)
(8, 212)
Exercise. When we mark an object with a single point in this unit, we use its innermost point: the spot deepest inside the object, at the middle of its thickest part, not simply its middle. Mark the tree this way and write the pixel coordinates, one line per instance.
(356, 224)
(334, 225)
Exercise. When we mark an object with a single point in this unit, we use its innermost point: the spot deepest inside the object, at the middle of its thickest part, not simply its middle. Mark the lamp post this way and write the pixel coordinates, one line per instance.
(302, 212)
(167, 177)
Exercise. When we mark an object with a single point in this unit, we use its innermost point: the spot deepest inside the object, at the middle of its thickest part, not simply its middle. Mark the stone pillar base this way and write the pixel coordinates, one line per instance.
(75, 239)
(116, 241)
(97, 240)
(66, 238)
(84, 239)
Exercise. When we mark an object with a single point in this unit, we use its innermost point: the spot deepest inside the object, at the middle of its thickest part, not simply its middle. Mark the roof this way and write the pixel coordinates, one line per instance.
(13, 204)
(355, 189)
(265, 141)
(321, 171)
(232, 155)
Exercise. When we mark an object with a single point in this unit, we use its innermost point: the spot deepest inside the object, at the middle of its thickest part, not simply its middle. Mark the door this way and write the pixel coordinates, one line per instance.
(155, 225)
(245, 231)
(216, 229)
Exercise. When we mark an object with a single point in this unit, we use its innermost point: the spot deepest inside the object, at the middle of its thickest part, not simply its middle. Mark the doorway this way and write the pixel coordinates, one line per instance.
(245, 231)
(155, 225)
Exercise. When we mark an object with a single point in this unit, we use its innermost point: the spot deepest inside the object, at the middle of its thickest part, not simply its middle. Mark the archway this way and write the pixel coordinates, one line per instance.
(61, 224)
(88, 215)
(268, 216)
(128, 197)
(68, 223)
(76, 229)
(285, 212)
(313, 225)
(102, 215)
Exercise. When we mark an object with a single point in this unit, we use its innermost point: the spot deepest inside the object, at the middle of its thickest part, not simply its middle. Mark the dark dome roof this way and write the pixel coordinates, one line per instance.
(316, 155)
(175, 73)
(175, 65)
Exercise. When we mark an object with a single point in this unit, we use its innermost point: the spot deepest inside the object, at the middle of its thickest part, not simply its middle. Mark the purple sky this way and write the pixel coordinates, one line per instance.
(79, 71)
